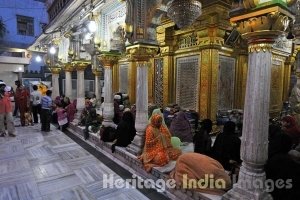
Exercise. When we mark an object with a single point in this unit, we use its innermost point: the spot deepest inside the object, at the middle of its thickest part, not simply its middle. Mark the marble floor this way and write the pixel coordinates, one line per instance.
(37, 165)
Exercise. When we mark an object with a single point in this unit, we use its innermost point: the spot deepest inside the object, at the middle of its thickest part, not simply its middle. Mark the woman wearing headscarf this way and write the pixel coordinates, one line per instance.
(181, 128)
(125, 131)
(290, 127)
(158, 149)
(71, 110)
(155, 112)
(117, 112)
(194, 171)
(227, 146)
(202, 140)
(280, 166)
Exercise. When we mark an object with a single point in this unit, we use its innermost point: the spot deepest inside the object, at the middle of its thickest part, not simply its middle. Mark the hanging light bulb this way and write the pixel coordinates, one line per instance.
(38, 58)
(52, 50)
(92, 26)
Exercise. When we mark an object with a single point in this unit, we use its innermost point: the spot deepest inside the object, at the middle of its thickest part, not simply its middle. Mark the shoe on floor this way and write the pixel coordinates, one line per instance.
(2, 135)
(12, 135)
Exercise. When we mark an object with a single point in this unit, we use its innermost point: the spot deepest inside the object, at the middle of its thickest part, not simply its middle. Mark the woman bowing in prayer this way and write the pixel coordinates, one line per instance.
(181, 128)
(158, 149)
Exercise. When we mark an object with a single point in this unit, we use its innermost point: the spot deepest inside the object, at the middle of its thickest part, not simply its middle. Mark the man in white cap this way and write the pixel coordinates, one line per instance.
(6, 111)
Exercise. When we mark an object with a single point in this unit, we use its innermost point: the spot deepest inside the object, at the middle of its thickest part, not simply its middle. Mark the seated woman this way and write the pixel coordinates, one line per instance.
(281, 166)
(181, 128)
(71, 110)
(158, 149)
(195, 171)
(290, 127)
(227, 146)
(125, 131)
(202, 140)
(158, 111)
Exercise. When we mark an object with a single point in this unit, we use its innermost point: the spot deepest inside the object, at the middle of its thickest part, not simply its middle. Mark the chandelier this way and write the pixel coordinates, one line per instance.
(184, 12)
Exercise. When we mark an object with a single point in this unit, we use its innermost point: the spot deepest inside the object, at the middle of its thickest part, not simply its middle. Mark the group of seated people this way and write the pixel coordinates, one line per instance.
(221, 159)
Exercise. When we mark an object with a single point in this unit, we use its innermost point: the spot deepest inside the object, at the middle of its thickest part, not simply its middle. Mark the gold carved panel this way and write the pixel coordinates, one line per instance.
(204, 83)
(277, 78)
(214, 83)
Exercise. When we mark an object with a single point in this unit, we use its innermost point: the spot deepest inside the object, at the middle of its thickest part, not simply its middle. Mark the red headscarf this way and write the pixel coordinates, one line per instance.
(292, 129)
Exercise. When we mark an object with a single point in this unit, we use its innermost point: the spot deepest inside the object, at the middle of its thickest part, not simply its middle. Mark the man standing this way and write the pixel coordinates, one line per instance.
(46, 111)
(22, 100)
(35, 101)
(6, 111)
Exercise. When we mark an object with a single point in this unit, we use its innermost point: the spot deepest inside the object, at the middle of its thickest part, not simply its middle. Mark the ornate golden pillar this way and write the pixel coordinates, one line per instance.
(240, 80)
(168, 76)
(132, 81)
(68, 68)
(108, 60)
(260, 28)
(141, 53)
(115, 78)
(165, 38)
(287, 78)
(209, 83)
(55, 70)
(288, 69)
(151, 81)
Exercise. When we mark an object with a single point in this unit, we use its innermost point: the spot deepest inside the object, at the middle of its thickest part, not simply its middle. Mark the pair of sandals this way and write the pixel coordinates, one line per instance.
(10, 134)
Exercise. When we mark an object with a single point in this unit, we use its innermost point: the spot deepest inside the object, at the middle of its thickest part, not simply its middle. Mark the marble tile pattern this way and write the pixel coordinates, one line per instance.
(51, 166)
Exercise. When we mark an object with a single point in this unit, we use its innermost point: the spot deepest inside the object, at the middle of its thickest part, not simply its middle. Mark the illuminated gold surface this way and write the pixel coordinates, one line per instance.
(80, 65)
(132, 82)
(241, 77)
(97, 72)
(141, 52)
(55, 69)
(277, 81)
(209, 83)
(204, 84)
(286, 82)
(260, 47)
(108, 59)
(151, 81)
(115, 78)
(168, 80)
(263, 12)
(250, 3)
(68, 67)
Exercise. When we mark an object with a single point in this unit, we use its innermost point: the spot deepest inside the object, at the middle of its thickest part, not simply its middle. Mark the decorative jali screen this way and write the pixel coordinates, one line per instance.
(123, 84)
(187, 83)
(158, 82)
(226, 83)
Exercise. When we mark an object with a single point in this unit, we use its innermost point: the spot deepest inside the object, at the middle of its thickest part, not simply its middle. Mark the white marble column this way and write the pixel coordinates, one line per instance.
(68, 84)
(97, 87)
(55, 85)
(80, 91)
(108, 112)
(141, 119)
(254, 147)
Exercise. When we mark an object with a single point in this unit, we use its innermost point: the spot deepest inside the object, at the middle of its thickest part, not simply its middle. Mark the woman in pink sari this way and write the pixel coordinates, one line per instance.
(71, 110)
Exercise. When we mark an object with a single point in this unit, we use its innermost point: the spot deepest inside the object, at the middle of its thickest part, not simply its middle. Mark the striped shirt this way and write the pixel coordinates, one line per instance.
(46, 102)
